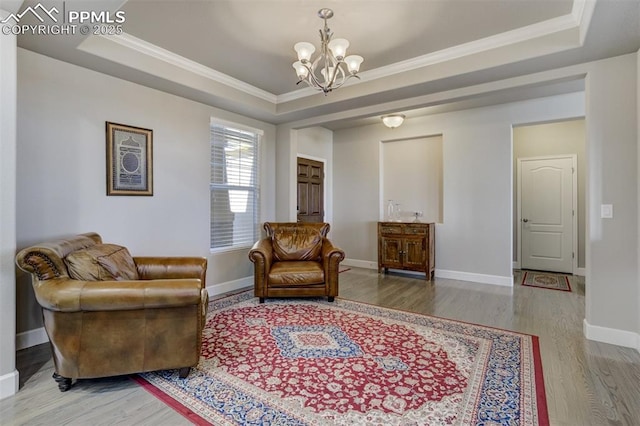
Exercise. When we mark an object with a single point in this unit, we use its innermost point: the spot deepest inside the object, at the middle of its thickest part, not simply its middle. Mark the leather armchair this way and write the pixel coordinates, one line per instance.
(126, 315)
(295, 259)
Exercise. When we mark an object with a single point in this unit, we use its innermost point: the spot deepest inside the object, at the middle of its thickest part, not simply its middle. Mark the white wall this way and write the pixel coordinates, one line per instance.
(477, 185)
(612, 244)
(285, 173)
(62, 111)
(8, 372)
(411, 176)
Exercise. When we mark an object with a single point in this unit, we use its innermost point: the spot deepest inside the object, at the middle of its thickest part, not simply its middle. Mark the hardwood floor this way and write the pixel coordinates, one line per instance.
(587, 383)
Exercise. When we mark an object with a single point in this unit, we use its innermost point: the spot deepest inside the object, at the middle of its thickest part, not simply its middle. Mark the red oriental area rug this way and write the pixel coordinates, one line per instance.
(311, 362)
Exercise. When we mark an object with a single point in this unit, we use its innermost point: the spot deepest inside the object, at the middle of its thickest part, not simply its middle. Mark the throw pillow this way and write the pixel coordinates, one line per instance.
(102, 262)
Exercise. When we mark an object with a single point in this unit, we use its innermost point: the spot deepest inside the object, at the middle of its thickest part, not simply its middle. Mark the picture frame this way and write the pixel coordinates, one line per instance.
(129, 160)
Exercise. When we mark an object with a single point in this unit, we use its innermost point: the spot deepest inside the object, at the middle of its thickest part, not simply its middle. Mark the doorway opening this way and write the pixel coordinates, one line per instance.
(549, 197)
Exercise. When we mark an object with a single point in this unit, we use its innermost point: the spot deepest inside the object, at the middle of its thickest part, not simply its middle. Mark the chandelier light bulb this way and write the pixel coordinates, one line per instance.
(301, 70)
(353, 63)
(304, 50)
(339, 47)
(324, 74)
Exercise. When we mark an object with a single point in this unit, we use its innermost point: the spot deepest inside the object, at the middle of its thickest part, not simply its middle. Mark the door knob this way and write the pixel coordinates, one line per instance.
(525, 220)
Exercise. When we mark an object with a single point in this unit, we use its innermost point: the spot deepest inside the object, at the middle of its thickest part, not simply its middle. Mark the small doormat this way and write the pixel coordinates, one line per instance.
(546, 280)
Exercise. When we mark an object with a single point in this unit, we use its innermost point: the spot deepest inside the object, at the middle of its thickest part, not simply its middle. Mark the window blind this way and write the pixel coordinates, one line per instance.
(234, 188)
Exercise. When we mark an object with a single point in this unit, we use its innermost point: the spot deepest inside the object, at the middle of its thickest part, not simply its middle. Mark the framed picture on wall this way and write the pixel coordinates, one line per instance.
(129, 160)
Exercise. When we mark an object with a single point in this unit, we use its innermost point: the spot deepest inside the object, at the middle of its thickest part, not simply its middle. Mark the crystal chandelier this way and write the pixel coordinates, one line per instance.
(330, 63)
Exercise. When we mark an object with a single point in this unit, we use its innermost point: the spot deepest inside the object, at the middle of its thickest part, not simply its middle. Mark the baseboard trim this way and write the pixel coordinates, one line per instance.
(613, 336)
(441, 273)
(9, 384)
(581, 272)
(228, 286)
(515, 264)
(31, 338)
(365, 264)
(477, 278)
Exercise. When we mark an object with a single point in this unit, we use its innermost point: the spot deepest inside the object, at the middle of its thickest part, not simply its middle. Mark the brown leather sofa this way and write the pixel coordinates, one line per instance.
(295, 259)
(107, 313)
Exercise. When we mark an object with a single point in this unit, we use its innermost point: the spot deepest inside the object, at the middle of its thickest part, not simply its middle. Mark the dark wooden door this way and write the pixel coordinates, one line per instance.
(310, 190)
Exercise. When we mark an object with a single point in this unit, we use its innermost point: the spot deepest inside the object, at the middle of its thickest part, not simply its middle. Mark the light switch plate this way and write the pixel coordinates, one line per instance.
(606, 211)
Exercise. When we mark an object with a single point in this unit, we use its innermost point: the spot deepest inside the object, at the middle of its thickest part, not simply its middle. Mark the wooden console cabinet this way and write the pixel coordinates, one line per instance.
(408, 246)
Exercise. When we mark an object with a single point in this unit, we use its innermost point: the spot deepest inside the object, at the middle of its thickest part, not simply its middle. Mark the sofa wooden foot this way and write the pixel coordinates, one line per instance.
(64, 383)
(184, 372)
(331, 298)
(262, 300)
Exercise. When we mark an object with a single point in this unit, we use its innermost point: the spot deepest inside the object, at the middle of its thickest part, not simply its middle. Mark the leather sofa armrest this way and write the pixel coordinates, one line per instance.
(67, 295)
(261, 254)
(331, 256)
(158, 268)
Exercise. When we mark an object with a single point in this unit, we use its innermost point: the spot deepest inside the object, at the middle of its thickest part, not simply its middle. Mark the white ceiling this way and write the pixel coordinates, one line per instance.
(237, 54)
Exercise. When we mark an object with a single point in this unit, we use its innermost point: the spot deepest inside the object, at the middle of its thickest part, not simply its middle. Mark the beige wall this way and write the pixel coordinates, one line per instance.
(566, 137)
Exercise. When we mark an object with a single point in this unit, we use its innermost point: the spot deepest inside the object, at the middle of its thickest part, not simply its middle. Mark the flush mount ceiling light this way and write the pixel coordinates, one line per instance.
(330, 63)
(393, 120)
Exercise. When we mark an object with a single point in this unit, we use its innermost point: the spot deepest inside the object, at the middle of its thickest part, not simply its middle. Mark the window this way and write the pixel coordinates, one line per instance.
(234, 187)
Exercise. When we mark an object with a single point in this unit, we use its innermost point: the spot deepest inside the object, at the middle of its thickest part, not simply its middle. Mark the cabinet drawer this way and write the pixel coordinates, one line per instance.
(415, 230)
(391, 229)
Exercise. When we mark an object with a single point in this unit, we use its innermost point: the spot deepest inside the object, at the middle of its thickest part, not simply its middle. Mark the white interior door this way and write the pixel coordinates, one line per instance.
(547, 213)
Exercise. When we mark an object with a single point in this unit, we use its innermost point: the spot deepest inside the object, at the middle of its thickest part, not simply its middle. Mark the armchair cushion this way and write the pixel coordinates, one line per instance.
(101, 262)
(292, 273)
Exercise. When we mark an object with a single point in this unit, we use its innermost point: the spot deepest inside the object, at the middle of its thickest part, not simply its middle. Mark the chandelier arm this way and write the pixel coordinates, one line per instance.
(337, 69)
(313, 67)
(345, 80)
(313, 80)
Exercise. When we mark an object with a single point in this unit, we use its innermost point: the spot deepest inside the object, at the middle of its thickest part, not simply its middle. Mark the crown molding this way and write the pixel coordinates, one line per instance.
(146, 48)
(570, 25)
(579, 17)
